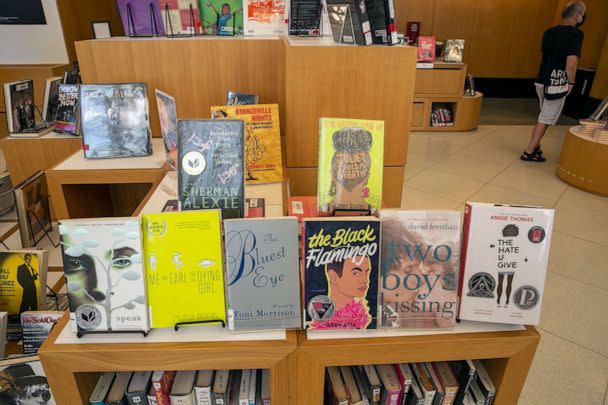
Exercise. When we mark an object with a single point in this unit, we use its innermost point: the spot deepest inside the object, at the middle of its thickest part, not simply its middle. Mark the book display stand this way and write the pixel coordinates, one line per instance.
(46, 232)
(131, 23)
(169, 24)
(208, 322)
(82, 333)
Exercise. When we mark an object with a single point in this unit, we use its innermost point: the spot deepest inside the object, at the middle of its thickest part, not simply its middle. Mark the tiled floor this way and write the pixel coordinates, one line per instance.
(446, 169)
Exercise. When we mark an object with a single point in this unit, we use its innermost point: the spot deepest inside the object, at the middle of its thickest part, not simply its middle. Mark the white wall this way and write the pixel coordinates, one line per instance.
(34, 44)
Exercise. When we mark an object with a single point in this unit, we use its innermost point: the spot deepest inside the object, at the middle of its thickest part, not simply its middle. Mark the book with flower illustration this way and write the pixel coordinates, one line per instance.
(351, 156)
(104, 273)
(340, 264)
(263, 162)
(419, 268)
(185, 279)
(210, 166)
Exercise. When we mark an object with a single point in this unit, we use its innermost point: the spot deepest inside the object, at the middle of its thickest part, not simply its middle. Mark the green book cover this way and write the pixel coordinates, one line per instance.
(221, 17)
(351, 156)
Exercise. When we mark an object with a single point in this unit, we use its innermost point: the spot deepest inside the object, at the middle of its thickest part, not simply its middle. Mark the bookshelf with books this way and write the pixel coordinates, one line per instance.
(443, 83)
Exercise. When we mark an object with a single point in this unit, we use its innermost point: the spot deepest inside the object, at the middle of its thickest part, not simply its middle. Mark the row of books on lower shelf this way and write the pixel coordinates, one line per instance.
(441, 117)
(203, 387)
(441, 383)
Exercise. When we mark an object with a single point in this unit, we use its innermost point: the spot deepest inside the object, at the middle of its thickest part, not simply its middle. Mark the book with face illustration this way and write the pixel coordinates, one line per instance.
(351, 156)
(262, 271)
(340, 264)
(184, 269)
(420, 268)
(102, 261)
(211, 166)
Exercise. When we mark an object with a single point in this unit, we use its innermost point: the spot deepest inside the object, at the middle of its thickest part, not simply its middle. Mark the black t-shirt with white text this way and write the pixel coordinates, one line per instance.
(559, 42)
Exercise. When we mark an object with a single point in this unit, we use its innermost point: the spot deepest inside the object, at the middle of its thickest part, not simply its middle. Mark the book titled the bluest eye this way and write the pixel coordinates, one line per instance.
(262, 271)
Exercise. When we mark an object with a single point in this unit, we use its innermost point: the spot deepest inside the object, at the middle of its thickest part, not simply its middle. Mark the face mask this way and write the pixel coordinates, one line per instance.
(580, 21)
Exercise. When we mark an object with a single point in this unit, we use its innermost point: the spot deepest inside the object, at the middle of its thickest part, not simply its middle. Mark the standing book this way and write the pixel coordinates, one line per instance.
(341, 23)
(117, 392)
(102, 262)
(340, 264)
(265, 17)
(382, 20)
(362, 34)
(426, 49)
(23, 286)
(115, 120)
(262, 270)
(35, 327)
(182, 391)
(453, 50)
(24, 382)
(185, 279)
(220, 387)
(167, 116)
(221, 17)
(305, 17)
(181, 17)
(210, 163)
(162, 381)
(263, 162)
(413, 32)
(236, 98)
(137, 390)
(141, 18)
(101, 388)
(504, 262)
(351, 156)
(420, 268)
(392, 390)
(67, 120)
(21, 110)
(50, 100)
(32, 206)
(202, 387)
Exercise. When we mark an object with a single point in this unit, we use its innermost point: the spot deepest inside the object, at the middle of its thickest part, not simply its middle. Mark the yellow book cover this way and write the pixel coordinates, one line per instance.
(263, 161)
(183, 256)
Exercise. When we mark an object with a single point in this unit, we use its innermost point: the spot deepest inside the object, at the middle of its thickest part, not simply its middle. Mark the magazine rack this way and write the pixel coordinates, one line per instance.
(169, 24)
(131, 23)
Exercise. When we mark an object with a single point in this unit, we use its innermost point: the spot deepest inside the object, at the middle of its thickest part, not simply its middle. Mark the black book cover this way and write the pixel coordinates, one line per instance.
(22, 107)
(382, 21)
(66, 121)
(305, 17)
(210, 163)
(115, 120)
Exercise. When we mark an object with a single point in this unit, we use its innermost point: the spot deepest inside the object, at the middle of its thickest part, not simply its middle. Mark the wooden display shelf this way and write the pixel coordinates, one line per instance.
(73, 369)
(507, 357)
(89, 188)
(583, 163)
(444, 84)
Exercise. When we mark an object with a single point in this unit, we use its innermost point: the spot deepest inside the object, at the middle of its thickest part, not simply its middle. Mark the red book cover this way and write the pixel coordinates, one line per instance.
(162, 382)
(413, 31)
(426, 49)
(303, 207)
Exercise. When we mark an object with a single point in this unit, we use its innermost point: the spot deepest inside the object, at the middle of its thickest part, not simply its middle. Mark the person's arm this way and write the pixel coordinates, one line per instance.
(571, 65)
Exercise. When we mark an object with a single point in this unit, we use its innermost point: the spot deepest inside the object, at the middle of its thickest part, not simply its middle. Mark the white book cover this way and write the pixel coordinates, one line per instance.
(244, 387)
(505, 254)
(104, 274)
(265, 17)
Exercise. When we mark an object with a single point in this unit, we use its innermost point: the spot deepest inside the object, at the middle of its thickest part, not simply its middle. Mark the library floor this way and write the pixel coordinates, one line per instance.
(446, 169)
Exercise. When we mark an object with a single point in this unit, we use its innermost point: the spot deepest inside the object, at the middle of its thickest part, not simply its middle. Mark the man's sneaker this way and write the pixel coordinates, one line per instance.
(531, 157)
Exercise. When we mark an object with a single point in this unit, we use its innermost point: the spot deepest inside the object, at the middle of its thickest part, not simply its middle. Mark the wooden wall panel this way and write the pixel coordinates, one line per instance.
(77, 15)
(198, 72)
(600, 84)
(415, 10)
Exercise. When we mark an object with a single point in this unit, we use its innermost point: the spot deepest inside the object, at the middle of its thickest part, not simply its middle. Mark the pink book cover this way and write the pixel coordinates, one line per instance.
(426, 49)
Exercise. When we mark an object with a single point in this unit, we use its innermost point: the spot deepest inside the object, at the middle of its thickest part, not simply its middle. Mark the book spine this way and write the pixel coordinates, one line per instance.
(136, 398)
(391, 27)
(203, 395)
(392, 397)
(162, 396)
(463, 257)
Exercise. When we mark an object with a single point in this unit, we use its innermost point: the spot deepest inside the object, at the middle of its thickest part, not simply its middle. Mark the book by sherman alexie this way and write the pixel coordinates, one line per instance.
(419, 268)
(211, 164)
(262, 270)
(504, 261)
(115, 120)
(102, 262)
(340, 263)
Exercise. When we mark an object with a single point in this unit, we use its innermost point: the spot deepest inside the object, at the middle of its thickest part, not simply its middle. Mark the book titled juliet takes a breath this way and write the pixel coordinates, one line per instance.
(263, 280)
(263, 162)
(340, 261)
(351, 155)
(419, 268)
(210, 163)
(185, 280)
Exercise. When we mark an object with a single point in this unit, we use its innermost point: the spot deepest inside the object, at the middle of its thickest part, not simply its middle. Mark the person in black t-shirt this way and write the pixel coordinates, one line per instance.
(561, 48)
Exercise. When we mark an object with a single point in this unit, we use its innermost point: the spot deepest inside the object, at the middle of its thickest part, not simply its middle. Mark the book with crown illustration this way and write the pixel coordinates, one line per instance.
(351, 155)
(185, 280)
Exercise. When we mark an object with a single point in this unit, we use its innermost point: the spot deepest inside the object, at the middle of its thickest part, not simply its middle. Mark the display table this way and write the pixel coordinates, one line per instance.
(85, 188)
(583, 163)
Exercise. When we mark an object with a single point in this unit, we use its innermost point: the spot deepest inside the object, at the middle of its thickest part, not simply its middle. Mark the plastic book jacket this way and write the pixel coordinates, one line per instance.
(115, 120)
(221, 17)
(67, 111)
(262, 270)
(263, 162)
(23, 381)
(351, 156)
(36, 326)
(32, 206)
(426, 49)
(102, 261)
(23, 285)
(185, 279)
(265, 17)
(340, 265)
(22, 108)
(180, 17)
(210, 160)
(137, 20)
(419, 268)
(235, 98)
(504, 260)
(167, 116)
(341, 23)
(52, 100)
(452, 52)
